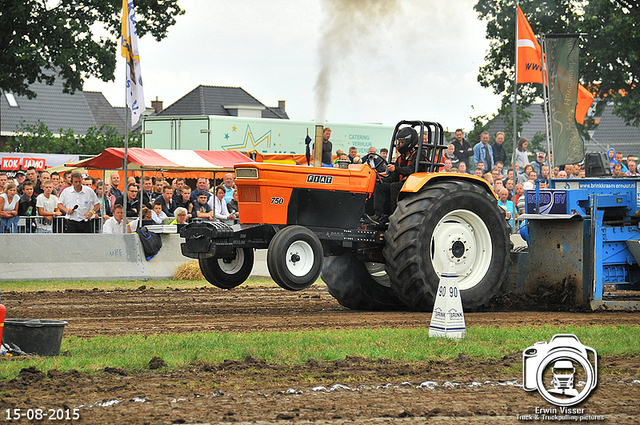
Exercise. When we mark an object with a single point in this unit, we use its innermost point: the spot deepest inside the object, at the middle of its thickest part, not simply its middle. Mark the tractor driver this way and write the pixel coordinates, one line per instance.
(385, 194)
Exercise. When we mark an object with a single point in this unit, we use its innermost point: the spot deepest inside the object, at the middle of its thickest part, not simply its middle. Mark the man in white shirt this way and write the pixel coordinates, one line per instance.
(116, 224)
(80, 203)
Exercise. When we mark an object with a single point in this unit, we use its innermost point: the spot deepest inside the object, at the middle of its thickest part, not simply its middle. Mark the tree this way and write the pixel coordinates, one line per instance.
(38, 138)
(499, 72)
(38, 38)
(609, 55)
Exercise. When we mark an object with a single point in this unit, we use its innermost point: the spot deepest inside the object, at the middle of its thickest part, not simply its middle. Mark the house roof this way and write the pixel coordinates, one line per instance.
(611, 131)
(102, 111)
(58, 110)
(82, 110)
(211, 100)
(51, 106)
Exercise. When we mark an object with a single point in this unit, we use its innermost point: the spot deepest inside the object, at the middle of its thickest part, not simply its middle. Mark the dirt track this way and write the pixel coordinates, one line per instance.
(150, 311)
(355, 389)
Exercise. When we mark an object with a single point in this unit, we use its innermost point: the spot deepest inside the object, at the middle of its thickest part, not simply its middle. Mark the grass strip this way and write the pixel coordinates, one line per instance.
(110, 285)
(133, 352)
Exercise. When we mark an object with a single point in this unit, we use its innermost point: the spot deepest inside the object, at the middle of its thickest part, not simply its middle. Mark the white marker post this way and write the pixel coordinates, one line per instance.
(448, 317)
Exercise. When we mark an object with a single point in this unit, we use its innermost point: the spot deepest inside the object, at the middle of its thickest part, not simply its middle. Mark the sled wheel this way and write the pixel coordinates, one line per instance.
(351, 284)
(227, 273)
(451, 222)
(295, 258)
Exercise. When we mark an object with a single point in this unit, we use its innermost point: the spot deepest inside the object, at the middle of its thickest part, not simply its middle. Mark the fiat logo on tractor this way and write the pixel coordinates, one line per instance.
(314, 178)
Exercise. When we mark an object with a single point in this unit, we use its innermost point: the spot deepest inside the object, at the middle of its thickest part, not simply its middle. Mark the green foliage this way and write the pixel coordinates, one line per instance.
(110, 285)
(133, 352)
(480, 125)
(38, 138)
(610, 55)
(609, 52)
(39, 36)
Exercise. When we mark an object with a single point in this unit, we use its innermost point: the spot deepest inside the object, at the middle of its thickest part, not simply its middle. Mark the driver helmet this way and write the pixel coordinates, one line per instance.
(406, 139)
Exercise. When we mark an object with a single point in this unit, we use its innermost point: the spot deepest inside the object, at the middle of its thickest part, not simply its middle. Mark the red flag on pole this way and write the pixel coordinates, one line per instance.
(529, 53)
(585, 99)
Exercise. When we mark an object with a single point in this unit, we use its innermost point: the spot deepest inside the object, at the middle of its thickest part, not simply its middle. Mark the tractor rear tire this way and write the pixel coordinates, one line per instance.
(349, 282)
(449, 222)
(294, 258)
(225, 273)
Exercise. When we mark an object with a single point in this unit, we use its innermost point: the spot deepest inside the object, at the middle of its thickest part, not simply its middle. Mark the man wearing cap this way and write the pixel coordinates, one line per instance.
(20, 178)
(32, 176)
(539, 162)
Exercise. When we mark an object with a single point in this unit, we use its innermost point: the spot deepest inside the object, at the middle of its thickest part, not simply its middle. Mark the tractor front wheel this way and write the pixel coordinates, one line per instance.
(451, 222)
(294, 258)
(227, 273)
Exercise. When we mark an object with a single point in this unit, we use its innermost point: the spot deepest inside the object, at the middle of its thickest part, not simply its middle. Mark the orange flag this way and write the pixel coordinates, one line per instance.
(529, 53)
(585, 99)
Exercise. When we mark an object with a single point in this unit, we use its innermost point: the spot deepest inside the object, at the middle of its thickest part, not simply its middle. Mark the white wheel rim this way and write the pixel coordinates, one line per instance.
(235, 265)
(461, 238)
(299, 258)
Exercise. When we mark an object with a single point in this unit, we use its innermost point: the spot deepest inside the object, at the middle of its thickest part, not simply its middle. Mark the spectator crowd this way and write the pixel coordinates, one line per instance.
(89, 205)
(71, 202)
(487, 160)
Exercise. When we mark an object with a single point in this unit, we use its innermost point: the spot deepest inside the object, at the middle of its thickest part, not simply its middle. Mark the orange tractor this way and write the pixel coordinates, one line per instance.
(311, 220)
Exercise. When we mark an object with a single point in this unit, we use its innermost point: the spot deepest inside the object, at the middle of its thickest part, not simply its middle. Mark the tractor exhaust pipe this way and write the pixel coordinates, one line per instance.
(317, 152)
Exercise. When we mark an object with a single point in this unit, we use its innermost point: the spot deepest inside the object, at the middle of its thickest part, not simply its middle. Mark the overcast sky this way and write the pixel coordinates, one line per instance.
(370, 61)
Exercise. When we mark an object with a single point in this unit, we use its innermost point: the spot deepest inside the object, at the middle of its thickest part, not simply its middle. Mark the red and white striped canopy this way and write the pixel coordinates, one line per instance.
(164, 159)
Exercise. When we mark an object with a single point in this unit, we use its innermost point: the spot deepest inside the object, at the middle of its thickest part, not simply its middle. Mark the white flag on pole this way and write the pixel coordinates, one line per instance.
(129, 49)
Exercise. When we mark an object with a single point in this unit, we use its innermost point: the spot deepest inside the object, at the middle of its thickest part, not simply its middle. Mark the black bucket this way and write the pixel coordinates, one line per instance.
(34, 336)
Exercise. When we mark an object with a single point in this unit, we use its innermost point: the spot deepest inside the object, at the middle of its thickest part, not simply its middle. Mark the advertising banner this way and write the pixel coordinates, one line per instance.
(562, 63)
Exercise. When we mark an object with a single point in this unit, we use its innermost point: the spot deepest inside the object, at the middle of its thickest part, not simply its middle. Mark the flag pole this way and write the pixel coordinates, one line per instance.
(545, 87)
(123, 34)
(126, 131)
(515, 100)
(515, 114)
